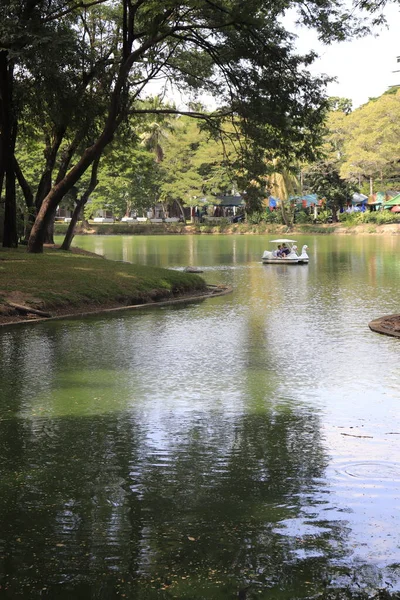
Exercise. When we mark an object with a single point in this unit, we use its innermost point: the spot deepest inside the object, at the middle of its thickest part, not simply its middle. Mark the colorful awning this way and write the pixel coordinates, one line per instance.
(393, 202)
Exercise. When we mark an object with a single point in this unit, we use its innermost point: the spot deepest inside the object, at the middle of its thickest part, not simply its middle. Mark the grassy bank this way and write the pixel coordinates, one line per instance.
(227, 228)
(62, 282)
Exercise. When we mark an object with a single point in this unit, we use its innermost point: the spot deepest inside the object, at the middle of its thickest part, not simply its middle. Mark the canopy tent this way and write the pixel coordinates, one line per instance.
(393, 202)
(230, 201)
(224, 201)
(376, 199)
(306, 201)
(359, 199)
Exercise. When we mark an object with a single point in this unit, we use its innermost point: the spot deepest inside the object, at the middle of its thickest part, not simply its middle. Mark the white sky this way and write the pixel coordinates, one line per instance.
(364, 67)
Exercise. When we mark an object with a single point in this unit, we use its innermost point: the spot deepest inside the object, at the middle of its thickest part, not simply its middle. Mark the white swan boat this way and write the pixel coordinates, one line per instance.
(290, 258)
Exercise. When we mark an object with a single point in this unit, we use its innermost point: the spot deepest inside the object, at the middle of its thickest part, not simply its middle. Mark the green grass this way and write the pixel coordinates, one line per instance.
(57, 279)
(125, 228)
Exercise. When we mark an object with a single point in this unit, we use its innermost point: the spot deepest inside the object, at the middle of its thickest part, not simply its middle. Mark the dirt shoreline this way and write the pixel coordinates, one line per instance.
(89, 310)
(237, 229)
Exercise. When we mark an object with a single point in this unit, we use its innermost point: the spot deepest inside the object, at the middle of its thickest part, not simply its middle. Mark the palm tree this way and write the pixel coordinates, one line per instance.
(155, 134)
(284, 183)
(156, 131)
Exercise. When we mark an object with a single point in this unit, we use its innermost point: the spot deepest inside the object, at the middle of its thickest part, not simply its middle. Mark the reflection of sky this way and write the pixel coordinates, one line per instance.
(291, 338)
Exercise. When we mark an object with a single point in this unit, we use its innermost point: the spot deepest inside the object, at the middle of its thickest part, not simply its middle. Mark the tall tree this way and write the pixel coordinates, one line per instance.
(195, 164)
(372, 143)
(128, 180)
(157, 129)
(283, 182)
(323, 178)
(238, 52)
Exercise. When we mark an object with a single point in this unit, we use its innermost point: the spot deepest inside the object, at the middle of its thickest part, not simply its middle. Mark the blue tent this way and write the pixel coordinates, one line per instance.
(272, 202)
(359, 199)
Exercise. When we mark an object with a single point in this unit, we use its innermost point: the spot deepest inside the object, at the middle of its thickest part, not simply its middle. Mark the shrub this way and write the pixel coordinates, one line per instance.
(255, 218)
(303, 217)
(380, 217)
(350, 219)
(386, 216)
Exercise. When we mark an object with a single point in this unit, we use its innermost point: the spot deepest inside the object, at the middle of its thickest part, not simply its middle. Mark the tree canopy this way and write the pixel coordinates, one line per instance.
(77, 70)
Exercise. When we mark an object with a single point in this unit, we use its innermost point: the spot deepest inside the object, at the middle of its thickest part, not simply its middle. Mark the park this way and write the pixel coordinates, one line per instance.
(184, 412)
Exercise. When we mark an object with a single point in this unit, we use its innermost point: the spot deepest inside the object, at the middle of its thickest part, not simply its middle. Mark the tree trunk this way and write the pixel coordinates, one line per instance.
(181, 209)
(28, 195)
(49, 233)
(165, 209)
(79, 206)
(45, 182)
(7, 129)
(50, 203)
(51, 151)
(66, 245)
(117, 110)
(287, 219)
(2, 166)
(334, 213)
(66, 157)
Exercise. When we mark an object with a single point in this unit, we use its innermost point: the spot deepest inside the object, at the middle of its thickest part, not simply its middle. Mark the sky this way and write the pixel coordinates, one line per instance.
(363, 67)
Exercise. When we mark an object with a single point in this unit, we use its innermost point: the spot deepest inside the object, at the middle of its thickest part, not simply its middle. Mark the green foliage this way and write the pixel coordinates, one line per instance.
(380, 217)
(80, 71)
(273, 216)
(323, 178)
(267, 216)
(344, 105)
(256, 217)
(303, 217)
(195, 166)
(128, 181)
(372, 142)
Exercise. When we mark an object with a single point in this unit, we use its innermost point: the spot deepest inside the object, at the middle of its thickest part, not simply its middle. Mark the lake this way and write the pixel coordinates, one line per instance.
(245, 446)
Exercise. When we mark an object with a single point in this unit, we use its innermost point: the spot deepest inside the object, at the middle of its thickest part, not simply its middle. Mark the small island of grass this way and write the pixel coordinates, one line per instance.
(58, 283)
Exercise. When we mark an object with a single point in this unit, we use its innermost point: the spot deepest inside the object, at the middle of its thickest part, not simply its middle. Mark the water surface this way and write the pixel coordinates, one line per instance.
(247, 444)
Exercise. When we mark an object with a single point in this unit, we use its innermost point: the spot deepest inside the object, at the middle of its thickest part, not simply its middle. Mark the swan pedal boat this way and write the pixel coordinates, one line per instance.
(293, 258)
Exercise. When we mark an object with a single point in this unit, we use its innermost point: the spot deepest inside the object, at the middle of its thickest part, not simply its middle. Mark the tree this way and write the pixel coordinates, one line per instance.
(195, 165)
(338, 104)
(156, 130)
(238, 52)
(283, 183)
(372, 142)
(58, 87)
(323, 179)
(128, 180)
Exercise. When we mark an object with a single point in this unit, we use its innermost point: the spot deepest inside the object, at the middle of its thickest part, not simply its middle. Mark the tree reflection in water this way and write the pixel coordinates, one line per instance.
(98, 508)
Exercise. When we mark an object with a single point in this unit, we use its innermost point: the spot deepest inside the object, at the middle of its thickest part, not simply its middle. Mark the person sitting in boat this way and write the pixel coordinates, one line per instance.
(278, 253)
(285, 250)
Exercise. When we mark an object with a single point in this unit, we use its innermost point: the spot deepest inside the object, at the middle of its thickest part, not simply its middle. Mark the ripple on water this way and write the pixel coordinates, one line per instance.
(370, 470)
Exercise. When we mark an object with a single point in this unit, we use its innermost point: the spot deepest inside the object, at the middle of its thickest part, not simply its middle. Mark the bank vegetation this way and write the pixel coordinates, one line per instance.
(60, 283)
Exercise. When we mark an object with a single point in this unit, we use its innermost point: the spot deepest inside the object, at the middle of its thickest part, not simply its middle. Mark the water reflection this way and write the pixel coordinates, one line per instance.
(245, 445)
(122, 504)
